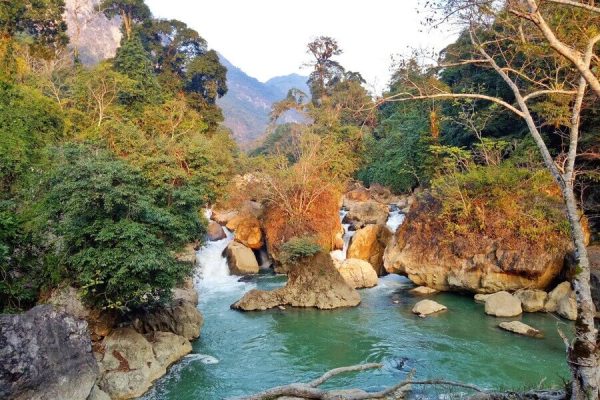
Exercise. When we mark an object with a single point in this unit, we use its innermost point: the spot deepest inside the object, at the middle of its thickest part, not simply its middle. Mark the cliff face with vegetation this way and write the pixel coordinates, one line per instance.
(485, 231)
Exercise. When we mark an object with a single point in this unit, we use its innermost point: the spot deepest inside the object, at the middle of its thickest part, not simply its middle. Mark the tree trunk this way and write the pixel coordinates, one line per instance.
(583, 356)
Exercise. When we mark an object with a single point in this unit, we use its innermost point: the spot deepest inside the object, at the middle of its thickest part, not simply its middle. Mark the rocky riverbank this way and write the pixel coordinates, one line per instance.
(65, 350)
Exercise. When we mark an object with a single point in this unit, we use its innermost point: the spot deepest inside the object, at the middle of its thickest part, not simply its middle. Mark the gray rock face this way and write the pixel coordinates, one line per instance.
(215, 231)
(45, 354)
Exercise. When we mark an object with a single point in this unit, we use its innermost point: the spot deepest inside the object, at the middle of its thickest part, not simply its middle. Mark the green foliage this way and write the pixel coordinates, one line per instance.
(133, 61)
(400, 158)
(28, 122)
(298, 248)
(36, 22)
(117, 234)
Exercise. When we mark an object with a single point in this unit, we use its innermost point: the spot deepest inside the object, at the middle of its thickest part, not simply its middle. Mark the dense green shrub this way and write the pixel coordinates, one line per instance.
(116, 239)
(298, 248)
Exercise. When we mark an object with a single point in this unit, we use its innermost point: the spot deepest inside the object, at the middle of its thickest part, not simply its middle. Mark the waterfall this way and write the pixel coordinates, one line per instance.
(212, 274)
(341, 255)
(395, 218)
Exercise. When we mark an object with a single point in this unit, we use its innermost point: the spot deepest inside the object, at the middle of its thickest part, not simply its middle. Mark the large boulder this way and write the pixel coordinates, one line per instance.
(68, 300)
(503, 304)
(532, 300)
(247, 230)
(312, 282)
(222, 217)
(215, 231)
(361, 214)
(567, 307)
(426, 251)
(241, 259)
(181, 318)
(561, 291)
(427, 307)
(130, 362)
(360, 194)
(369, 244)
(45, 354)
(358, 274)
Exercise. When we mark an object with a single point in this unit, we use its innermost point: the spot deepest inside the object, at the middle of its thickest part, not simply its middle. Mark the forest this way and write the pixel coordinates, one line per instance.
(107, 169)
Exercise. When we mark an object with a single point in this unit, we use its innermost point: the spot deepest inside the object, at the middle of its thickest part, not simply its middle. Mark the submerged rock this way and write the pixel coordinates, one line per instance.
(312, 282)
(521, 329)
(429, 254)
(45, 354)
(532, 300)
(503, 304)
(423, 291)
(215, 231)
(427, 307)
(358, 274)
(369, 244)
(241, 259)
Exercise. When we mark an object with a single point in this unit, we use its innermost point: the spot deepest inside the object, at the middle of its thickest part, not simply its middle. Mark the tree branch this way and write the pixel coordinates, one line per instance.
(576, 4)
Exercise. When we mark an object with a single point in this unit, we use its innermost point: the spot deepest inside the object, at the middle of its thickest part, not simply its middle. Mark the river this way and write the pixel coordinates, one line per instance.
(243, 353)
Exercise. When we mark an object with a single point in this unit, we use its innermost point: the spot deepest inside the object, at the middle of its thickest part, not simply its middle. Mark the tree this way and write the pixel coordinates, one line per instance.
(130, 11)
(540, 95)
(98, 89)
(116, 237)
(133, 61)
(207, 77)
(39, 20)
(326, 71)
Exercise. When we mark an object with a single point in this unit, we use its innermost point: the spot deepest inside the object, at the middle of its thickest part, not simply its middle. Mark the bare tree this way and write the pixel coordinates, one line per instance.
(514, 39)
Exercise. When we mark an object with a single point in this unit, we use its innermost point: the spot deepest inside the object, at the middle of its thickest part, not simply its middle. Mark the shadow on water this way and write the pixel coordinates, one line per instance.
(265, 349)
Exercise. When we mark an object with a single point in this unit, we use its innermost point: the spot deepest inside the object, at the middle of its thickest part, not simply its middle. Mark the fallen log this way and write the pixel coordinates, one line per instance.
(310, 390)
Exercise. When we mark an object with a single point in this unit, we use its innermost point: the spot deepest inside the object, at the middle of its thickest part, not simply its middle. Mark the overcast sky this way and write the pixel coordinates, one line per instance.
(268, 38)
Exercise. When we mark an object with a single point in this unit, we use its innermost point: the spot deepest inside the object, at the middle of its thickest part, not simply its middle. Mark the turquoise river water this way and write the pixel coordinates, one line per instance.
(243, 353)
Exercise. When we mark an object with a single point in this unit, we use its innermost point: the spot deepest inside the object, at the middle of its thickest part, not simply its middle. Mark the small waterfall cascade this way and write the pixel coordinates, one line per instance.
(395, 218)
(341, 255)
(212, 274)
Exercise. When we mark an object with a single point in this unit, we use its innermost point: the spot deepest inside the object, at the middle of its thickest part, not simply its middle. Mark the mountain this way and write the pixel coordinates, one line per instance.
(95, 36)
(247, 104)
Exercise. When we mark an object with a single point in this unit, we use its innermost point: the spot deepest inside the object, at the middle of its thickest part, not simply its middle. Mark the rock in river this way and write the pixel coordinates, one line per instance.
(532, 300)
(215, 231)
(241, 259)
(312, 282)
(45, 354)
(503, 304)
(426, 307)
(521, 329)
(358, 273)
(369, 244)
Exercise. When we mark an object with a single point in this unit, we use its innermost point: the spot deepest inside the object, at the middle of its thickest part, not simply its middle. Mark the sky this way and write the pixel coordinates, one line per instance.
(268, 38)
